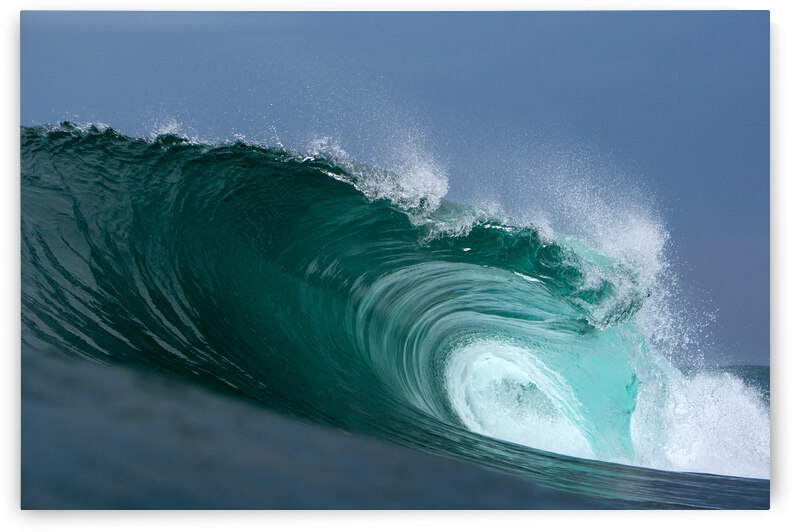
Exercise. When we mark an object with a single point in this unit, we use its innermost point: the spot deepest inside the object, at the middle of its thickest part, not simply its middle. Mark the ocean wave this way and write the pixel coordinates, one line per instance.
(359, 297)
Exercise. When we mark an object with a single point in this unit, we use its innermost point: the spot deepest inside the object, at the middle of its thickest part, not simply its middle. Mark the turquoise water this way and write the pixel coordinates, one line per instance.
(360, 298)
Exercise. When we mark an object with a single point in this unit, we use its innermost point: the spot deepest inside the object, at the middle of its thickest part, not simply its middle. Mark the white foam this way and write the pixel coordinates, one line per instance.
(327, 147)
(413, 181)
(709, 423)
(506, 392)
(168, 126)
(172, 126)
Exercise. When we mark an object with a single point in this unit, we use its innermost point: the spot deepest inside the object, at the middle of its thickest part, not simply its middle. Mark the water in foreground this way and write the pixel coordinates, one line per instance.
(354, 297)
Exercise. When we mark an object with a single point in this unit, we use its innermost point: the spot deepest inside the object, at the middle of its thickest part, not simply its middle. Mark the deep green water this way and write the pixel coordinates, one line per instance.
(345, 295)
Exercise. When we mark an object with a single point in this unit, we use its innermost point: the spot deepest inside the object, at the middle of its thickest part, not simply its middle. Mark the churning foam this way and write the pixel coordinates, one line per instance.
(709, 422)
(506, 392)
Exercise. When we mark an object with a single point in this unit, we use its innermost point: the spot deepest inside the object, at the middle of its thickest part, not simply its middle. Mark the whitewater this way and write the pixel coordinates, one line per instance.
(359, 297)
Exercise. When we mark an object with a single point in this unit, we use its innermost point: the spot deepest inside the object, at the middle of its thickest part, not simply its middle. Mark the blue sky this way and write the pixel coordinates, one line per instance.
(674, 105)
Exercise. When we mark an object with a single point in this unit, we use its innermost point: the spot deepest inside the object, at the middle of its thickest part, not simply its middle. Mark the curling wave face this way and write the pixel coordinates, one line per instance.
(349, 296)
